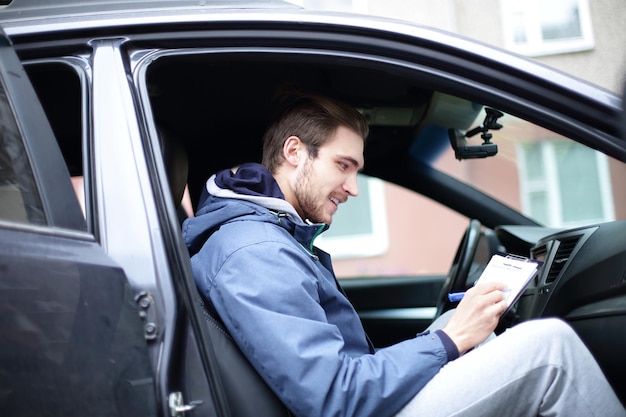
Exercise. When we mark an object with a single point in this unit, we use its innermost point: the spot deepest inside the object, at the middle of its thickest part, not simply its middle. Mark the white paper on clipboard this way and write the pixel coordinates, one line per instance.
(513, 271)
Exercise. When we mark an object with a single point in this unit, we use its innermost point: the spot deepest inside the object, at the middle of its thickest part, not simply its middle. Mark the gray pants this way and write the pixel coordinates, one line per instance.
(537, 368)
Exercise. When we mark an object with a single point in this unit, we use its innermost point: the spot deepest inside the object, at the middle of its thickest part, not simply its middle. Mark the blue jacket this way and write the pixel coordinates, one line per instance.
(278, 296)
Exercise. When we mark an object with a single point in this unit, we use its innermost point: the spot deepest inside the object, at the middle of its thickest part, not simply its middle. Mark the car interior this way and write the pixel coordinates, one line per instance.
(399, 109)
(214, 116)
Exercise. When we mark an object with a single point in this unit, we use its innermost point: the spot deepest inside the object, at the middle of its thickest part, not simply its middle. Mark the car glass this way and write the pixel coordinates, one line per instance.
(385, 233)
(19, 197)
(58, 87)
(554, 180)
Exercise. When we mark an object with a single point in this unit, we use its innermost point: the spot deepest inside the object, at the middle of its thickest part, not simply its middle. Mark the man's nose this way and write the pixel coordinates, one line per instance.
(351, 186)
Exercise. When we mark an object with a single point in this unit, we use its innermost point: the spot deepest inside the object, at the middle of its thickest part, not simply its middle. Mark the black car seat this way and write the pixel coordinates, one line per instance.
(247, 393)
(176, 166)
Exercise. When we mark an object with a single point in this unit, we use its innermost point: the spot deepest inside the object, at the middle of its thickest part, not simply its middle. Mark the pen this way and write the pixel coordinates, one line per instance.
(458, 296)
(455, 296)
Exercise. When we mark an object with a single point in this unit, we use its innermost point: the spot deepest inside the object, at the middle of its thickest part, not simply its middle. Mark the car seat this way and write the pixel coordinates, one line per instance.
(246, 392)
(176, 166)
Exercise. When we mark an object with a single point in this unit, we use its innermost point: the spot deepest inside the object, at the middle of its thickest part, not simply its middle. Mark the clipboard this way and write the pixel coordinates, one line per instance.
(512, 270)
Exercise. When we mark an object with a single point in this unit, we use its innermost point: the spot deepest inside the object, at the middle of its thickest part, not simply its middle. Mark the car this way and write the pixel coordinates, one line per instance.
(114, 114)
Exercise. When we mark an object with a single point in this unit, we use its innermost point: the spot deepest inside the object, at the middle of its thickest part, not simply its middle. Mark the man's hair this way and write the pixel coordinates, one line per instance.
(313, 119)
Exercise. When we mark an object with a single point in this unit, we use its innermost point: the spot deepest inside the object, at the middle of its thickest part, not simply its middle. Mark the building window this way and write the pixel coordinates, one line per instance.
(359, 227)
(565, 184)
(536, 27)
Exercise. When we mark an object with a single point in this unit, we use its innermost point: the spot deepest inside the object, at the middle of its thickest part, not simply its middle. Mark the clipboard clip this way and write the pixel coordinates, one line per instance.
(517, 257)
(521, 258)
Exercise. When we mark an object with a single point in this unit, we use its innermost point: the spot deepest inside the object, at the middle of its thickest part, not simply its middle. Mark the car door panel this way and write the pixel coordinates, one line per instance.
(393, 309)
(72, 340)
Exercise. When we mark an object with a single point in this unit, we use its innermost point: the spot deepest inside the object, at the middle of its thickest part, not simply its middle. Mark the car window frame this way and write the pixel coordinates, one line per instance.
(59, 201)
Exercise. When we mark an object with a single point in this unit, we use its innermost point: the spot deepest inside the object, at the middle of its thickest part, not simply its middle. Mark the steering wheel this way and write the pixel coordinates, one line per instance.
(457, 277)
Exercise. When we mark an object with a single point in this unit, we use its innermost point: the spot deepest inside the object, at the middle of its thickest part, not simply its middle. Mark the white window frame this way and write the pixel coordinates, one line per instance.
(536, 46)
(550, 184)
(365, 244)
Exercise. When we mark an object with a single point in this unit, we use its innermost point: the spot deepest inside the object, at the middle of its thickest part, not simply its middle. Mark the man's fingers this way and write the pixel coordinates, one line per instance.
(486, 287)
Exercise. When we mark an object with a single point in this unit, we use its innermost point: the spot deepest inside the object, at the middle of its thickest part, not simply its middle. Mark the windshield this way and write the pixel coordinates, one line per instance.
(551, 179)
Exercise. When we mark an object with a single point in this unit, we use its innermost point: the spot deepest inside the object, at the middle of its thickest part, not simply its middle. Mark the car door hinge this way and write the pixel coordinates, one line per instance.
(147, 312)
(177, 408)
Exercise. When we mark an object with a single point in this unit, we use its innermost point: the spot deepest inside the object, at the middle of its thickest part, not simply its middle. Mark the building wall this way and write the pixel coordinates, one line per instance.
(440, 14)
(604, 65)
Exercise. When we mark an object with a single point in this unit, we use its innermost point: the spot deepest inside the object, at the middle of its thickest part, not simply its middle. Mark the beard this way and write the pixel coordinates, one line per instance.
(305, 195)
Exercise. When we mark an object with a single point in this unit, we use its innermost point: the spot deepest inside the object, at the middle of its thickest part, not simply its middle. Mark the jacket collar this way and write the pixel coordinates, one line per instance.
(252, 182)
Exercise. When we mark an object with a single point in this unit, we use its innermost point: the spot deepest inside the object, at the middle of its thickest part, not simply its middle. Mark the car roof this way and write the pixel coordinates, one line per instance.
(71, 14)
(35, 20)
(24, 17)
(34, 8)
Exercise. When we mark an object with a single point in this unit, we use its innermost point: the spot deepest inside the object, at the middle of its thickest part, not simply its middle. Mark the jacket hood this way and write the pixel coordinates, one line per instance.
(248, 193)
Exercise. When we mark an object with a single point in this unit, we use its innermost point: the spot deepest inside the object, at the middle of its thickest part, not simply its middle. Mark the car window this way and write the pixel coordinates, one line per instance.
(58, 87)
(389, 230)
(554, 180)
(392, 231)
(19, 197)
(360, 228)
(549, 178)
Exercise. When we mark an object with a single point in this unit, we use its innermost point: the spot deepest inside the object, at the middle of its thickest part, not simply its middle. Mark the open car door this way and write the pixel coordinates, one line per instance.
(71, 338)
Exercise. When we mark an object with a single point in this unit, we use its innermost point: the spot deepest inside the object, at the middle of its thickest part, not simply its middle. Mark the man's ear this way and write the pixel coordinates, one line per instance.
(293, 150)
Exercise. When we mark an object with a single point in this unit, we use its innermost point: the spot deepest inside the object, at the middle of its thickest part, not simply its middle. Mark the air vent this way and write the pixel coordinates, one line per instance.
(566, 246)
(540, 253)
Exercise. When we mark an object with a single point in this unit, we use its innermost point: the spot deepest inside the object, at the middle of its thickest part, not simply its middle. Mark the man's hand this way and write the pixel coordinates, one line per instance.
(476, 316)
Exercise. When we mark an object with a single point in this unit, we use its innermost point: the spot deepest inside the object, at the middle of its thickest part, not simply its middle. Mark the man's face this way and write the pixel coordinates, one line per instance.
(328, 180)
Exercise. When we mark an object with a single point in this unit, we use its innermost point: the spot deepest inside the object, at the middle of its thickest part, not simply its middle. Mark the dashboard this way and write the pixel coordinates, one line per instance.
(583, 281)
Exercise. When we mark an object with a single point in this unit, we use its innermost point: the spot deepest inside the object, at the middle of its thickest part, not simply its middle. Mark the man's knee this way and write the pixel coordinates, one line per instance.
(543, 330)
(553, 327)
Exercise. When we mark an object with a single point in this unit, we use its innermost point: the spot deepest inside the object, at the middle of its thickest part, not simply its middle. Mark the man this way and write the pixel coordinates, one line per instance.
(276, 293)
